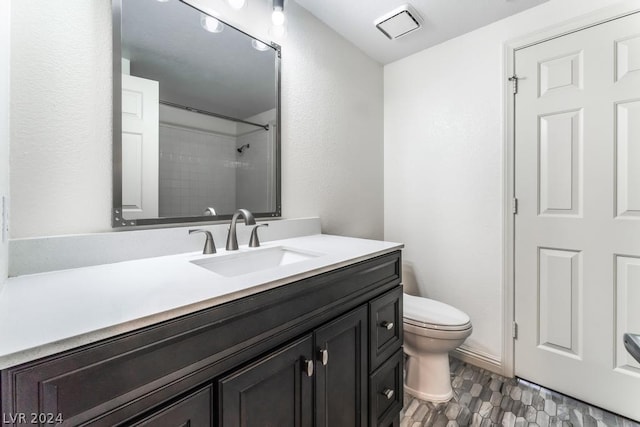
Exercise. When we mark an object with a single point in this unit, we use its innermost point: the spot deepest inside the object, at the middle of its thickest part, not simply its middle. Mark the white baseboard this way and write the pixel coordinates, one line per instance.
(478, 358)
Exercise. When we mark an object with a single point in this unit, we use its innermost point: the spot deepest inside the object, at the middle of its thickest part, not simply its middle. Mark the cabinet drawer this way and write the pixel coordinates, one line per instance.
(386, 391)
(385, 326)
(195, 410)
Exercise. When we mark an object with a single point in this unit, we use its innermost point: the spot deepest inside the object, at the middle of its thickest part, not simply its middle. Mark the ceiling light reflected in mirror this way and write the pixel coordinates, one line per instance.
(211, 24)
(237, 4)
(277, 16)
(258, 45)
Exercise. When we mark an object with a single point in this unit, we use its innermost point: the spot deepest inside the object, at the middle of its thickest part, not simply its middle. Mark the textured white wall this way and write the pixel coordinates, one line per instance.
(332, 130)
(61, 120)
(443, 144)
(60, 117)
(5, 15)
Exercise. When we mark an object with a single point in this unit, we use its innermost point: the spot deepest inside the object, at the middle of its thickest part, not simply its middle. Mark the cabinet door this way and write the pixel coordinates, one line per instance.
(194, 410)
(275, 391)
(341, 378)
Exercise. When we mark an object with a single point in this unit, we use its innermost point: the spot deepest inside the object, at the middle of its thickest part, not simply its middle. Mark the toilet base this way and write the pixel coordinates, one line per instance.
(428, 397)
(428, 377)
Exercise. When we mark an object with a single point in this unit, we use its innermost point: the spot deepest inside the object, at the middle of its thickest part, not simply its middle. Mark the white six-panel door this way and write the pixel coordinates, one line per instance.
(140, 147)
(577, 231)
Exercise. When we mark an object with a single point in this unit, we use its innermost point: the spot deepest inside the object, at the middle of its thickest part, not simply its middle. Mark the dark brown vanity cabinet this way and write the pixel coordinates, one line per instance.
(245, 362)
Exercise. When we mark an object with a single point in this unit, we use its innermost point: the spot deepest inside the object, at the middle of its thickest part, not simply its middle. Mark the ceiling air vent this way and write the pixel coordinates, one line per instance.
(399, 22)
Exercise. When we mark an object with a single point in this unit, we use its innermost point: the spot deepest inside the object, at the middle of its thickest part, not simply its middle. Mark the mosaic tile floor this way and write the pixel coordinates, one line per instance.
(484, 399)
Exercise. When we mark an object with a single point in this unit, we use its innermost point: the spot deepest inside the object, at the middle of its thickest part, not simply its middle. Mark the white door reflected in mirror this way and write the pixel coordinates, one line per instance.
(140, 147)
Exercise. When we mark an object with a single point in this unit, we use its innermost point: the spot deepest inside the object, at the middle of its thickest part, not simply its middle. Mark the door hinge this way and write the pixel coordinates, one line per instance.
(514, 80)
(514, 205)
(514, 330)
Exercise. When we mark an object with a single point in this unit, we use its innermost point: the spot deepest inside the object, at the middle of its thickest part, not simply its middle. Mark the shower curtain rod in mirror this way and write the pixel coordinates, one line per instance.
(208, 113)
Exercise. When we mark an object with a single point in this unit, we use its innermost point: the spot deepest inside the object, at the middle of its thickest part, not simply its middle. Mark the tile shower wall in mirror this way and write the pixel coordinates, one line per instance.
(199, 166)
(199, 116)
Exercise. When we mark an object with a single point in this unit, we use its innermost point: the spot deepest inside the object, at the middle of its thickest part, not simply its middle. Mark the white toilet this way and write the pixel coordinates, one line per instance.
(431, 330)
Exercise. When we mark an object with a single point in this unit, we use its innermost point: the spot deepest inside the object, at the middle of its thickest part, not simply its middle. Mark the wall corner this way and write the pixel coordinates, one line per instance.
(5, 49)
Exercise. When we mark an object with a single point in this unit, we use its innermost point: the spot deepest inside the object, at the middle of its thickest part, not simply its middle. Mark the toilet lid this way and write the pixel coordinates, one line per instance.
(428, 313)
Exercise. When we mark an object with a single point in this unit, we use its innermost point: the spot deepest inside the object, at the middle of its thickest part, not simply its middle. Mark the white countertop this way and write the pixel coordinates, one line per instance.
(43, 314)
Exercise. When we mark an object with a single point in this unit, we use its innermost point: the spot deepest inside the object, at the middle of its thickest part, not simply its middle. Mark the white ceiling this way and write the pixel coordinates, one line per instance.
(443, 20)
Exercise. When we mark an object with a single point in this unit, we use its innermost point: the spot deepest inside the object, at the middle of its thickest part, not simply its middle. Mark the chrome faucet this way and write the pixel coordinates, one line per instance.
(232, 237)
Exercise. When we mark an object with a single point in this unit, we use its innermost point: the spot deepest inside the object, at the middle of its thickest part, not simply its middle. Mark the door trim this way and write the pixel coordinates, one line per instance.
(579, 23)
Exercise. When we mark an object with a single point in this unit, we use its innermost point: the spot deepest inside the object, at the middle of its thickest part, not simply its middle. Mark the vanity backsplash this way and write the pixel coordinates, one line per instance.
(39, 255)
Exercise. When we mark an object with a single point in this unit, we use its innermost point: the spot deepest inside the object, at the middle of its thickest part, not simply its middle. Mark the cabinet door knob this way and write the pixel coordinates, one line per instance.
(308, 367)
(387, 325)
(323, 355)
(388, 393)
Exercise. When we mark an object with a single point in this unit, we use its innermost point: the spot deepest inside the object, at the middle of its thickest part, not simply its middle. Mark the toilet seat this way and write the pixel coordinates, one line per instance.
(430, 314)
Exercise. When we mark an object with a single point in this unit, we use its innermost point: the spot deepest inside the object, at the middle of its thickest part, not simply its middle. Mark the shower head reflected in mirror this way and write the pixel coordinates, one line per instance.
(242, 148)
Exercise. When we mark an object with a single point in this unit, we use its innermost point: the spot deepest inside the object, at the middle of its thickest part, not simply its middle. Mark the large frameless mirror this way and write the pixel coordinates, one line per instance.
(196, 117)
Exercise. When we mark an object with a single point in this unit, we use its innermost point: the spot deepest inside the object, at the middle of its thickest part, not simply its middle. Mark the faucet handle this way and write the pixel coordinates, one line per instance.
(209, 245)
(254, 242)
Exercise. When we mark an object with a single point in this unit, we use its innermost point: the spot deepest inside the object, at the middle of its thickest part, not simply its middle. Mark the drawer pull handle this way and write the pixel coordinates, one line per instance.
(323, 355)
(308, 367)
(388, 393)
(387, 325)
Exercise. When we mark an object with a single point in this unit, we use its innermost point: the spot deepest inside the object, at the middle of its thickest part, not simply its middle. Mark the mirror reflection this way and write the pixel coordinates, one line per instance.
(199, 116)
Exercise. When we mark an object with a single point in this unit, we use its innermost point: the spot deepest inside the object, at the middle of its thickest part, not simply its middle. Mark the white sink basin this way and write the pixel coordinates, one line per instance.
(253, 260)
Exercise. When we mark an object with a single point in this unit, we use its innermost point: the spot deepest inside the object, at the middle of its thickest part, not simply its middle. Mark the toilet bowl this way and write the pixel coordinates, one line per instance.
(431, 330)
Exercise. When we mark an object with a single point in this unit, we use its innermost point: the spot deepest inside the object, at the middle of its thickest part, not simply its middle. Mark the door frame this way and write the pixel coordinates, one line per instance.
(579, 23)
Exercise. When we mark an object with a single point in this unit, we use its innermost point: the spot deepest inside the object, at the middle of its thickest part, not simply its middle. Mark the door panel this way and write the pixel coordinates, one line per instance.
(627, 151)
(341, 383)
(560, 287)
(560, 166)
(577, 248)
(627, 313)
(272, 392)
(627, 56)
